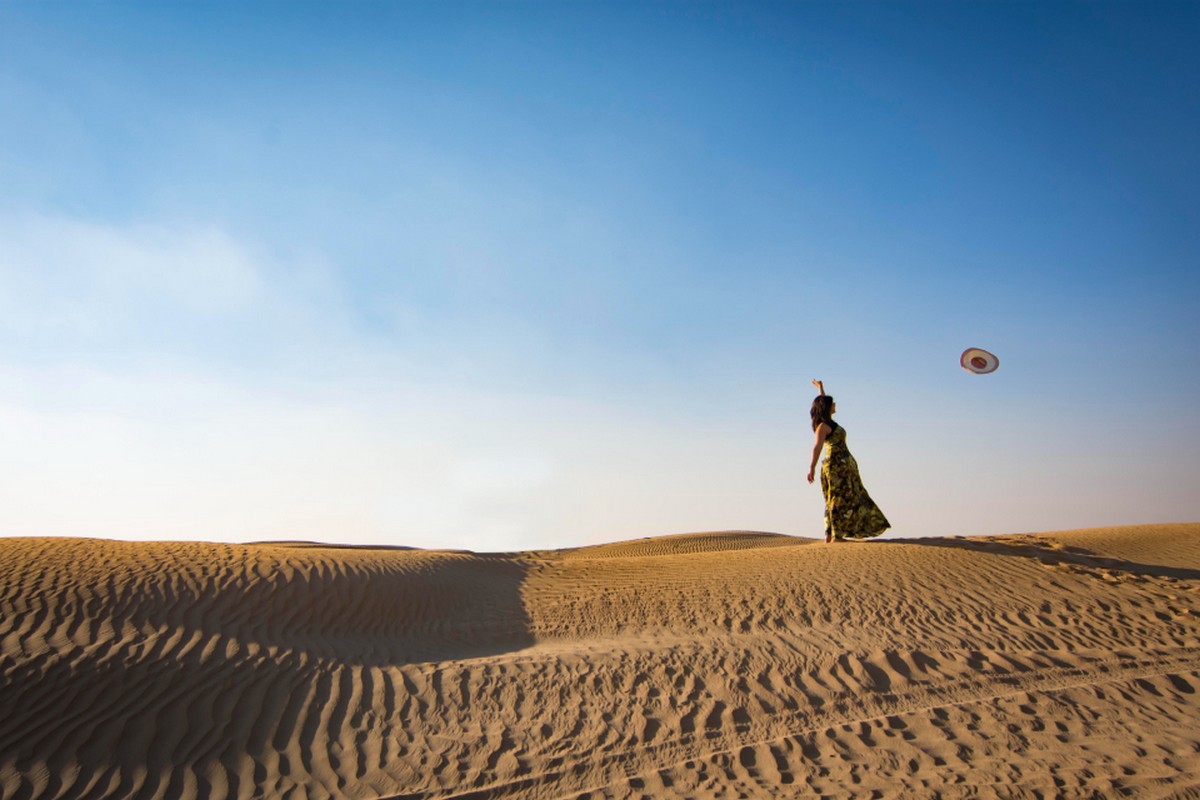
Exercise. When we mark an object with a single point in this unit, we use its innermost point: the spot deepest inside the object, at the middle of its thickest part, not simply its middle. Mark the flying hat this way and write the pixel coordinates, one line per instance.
(979, 361)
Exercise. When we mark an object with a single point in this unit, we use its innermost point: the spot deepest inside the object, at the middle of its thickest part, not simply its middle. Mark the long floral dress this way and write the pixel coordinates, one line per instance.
(850, 513)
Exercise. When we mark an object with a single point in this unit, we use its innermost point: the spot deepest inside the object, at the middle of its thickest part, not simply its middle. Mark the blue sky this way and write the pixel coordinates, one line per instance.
(522, 275)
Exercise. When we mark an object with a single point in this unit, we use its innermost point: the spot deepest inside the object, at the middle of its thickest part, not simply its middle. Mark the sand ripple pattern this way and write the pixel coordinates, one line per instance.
(710, 665)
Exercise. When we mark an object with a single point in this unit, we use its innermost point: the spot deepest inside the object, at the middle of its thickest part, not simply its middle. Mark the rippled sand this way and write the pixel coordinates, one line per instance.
(709, 665)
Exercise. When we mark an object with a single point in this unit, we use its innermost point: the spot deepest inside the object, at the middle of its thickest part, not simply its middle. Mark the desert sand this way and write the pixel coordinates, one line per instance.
(713, 665)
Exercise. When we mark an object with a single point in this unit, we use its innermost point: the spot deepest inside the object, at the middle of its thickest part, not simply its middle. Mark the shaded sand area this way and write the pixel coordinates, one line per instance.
(709, 665)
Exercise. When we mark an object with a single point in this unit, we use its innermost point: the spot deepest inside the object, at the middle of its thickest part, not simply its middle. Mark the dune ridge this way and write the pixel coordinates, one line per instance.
(726, 664)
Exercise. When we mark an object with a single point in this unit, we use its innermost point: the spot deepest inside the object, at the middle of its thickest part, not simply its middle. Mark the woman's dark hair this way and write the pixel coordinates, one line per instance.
(821, 411)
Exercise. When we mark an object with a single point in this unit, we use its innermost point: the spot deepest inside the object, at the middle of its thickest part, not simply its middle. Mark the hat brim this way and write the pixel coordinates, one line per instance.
(978, 360)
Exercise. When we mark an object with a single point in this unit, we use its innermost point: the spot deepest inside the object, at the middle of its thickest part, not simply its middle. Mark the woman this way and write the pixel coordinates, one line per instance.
(850, 513)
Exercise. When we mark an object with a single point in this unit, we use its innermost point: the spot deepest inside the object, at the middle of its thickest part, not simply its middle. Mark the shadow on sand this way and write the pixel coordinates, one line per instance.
(1056, 555)
(199, 669)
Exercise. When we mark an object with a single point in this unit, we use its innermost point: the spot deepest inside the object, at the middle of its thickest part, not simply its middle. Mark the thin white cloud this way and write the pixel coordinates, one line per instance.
(181, 445)
(59, 274)
(75, 291)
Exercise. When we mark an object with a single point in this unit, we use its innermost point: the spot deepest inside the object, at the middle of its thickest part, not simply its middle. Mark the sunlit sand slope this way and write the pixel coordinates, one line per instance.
(709, 665)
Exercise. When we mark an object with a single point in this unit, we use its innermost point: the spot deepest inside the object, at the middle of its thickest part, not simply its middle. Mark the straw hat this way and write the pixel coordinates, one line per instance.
(979, 361)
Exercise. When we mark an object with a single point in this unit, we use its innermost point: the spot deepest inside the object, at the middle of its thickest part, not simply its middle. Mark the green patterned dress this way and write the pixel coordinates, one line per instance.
(850, 513)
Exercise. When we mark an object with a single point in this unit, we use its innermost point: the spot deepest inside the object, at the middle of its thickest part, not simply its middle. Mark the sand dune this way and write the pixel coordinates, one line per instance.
(734, 664)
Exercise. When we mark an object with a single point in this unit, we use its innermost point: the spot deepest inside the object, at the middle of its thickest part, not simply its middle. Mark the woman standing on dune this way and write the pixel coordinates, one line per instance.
(850, 513)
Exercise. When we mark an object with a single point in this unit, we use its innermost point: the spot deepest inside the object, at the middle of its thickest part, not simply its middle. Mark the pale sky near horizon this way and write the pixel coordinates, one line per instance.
(524, 275)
